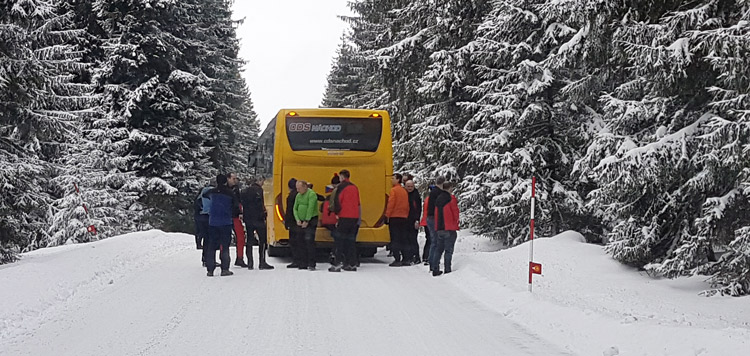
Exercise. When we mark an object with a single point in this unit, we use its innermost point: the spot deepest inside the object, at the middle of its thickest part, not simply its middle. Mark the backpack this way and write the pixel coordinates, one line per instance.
(326, 216)
(198, 204)
(335, 201)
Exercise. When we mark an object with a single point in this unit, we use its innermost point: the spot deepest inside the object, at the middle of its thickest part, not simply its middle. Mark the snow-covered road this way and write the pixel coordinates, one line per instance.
(119, 301)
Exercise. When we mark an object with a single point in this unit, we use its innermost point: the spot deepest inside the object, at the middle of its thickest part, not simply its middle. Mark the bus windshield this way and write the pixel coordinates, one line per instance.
(342, 134)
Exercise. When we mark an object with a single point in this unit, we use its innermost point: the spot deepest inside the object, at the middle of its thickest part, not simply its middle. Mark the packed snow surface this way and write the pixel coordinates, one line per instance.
(146, 294)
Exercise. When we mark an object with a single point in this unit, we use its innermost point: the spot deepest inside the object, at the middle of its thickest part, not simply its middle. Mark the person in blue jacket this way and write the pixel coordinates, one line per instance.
(223, 203)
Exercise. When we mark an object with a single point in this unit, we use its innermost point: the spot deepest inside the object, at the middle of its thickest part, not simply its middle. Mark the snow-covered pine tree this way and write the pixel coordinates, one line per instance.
(720, 37)
(89, 160)
(584, 61)
(434, 143)
(345, 79)
(137, 78)
(40, 81)
(234, 121)
(519, 129)
(370, 31)
(401, 63)
(172, 75)
(671, 162)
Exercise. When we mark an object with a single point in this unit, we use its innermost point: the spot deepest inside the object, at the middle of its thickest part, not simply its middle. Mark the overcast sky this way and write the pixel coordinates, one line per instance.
(289, 46)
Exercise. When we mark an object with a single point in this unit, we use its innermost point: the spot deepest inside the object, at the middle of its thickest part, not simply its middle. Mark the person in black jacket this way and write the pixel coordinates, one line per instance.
(295, 232)
(412, 221)
(239, 230)
(254, 215)
(223, 202)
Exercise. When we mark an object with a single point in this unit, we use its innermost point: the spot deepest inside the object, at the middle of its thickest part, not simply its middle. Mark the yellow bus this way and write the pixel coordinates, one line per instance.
(312, 145)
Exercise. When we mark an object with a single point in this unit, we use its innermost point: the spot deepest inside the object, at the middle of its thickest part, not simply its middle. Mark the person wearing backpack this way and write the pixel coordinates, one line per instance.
(327, 217)
(446, 225)
(201, 206)
(346, 205)
(223, 203)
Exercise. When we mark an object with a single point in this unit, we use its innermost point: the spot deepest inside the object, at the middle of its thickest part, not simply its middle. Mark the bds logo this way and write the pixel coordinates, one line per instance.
(299, 127)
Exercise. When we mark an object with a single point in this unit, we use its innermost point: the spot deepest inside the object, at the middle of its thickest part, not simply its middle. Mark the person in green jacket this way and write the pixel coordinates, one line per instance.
(306, 214)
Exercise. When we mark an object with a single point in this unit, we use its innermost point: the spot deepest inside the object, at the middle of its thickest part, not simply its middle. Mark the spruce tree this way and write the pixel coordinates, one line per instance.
(346, 78)
(669, 160)
(43, 97)
(519, 129)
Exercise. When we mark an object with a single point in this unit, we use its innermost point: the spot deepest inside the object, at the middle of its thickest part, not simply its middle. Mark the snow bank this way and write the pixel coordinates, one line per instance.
(45, 280)
(590, 304)
(144, 293)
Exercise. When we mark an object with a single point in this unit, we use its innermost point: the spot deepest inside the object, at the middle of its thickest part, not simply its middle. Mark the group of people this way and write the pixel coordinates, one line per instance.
(341, 213)
(222, 207)
(439, 215)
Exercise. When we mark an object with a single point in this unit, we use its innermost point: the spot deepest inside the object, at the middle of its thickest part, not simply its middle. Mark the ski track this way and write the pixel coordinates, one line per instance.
(163, 304)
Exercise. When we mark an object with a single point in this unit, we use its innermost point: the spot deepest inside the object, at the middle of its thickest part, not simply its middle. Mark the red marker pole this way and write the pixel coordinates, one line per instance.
(531, 232)
(91, 228)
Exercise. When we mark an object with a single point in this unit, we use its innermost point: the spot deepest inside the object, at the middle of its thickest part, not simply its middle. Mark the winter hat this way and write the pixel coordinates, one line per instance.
(335, 179)
(221, 179)
(292, 184)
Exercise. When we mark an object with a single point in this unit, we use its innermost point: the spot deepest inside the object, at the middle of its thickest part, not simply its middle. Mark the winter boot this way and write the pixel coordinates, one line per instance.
(226, 272)
(436, 273)
(396, 264)
(334, 268)
(240, 263)
(210, 273)
(262, 257)
(350, 268)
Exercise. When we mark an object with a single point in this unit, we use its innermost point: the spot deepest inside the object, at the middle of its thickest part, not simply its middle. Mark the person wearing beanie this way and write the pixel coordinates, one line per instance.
(223, 203)
(327, 217)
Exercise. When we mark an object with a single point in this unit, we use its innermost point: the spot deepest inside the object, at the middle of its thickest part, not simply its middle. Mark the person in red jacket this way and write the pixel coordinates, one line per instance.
(446, 225)
(327, 217)
(397, 213)
(346, 205)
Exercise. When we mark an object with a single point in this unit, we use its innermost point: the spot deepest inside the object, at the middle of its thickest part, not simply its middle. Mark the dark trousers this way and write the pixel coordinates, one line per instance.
(346, 242)
(400, 247)
(256, 227)
(201, 233)
(308, 237)
(433, 243)
(411, 240)
(446, 240)
(297, 244)
(219, 238)
(428, 242)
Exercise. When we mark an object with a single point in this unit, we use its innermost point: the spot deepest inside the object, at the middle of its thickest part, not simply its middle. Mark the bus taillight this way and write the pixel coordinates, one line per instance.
(381, 221)
(278, 207)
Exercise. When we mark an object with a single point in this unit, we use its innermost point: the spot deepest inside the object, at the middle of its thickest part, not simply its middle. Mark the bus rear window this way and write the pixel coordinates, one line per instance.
(342, 134)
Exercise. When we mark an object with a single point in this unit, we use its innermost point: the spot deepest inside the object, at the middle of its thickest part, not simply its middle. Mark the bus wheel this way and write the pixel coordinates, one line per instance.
(367, 251)
(275, 251)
